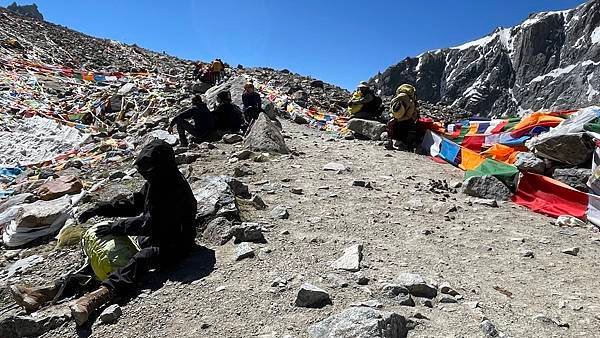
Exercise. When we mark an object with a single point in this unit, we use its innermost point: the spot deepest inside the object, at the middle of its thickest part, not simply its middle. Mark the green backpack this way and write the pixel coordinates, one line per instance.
(106, 254)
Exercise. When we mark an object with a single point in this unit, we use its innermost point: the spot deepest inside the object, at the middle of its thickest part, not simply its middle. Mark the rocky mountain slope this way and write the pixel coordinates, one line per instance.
(550, 61)
(336, 238)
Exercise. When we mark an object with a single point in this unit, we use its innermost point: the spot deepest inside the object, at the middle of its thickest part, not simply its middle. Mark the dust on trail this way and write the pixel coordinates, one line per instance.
(404, 227)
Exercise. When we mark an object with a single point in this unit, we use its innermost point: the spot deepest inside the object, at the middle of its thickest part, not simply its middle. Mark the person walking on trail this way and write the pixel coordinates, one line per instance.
(229, 118)
(162, 215)
(203, 122)
(404, 115)
(217, 68)
(252, 103)
(364, 104)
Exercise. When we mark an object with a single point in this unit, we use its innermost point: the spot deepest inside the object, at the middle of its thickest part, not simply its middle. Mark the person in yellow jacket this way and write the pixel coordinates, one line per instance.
(404, 115)
(217, 70)
(364, 104)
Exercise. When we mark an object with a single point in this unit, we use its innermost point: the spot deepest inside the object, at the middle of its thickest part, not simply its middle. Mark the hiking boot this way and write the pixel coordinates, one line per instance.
(85, 305)
(389, 145)
(32, 299)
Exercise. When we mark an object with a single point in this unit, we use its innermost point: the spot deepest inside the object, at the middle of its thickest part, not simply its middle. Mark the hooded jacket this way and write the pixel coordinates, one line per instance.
(165, 208)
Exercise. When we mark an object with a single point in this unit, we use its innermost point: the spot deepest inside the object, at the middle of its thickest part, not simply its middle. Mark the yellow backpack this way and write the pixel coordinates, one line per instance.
(355, 108)
(403, 106)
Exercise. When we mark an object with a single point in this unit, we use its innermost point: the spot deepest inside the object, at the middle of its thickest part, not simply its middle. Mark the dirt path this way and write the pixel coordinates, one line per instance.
(403, 226)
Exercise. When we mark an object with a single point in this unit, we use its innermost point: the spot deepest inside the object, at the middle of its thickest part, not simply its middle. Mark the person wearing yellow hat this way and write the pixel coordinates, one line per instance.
(404, 115)
(364, 104)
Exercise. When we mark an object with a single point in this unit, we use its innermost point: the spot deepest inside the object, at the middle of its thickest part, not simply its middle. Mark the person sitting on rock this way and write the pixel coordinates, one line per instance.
(229, 118)
(203, 122)
(364, 104)
(404, 115)
(252, 103)
(165, 212)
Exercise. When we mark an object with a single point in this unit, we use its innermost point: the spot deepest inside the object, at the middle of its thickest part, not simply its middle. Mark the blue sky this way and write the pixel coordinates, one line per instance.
(339, 41)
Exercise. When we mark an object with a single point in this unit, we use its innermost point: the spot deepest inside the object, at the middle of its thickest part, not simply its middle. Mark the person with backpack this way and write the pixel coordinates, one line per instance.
(217, 68)
(252, 103)
(203, 126)
(229, 118)
(404, 115)
(162, 216)
(364, 104)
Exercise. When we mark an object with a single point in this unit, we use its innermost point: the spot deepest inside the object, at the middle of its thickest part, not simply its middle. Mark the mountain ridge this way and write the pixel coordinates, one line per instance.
(546, 62)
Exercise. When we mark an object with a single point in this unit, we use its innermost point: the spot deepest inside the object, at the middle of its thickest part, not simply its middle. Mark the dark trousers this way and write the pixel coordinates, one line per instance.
(366, 115)
(125, 279)
(404, 131)
(184, 126)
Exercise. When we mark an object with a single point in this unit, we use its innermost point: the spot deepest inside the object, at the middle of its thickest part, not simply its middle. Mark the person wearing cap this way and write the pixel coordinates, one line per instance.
(204, 122)
(252, 103)
(364, 104)
(229, 118)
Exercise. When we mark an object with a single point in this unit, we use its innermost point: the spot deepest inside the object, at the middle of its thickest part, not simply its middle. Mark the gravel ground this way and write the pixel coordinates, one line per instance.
(403, 225)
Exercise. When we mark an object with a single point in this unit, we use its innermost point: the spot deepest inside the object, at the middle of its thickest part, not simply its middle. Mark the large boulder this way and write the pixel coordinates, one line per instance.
(371, 130)
(264, 136)
(528, 162)
(573, 177)
(235, 85)
(163, 135)
(215, 198)
(363, 322)
(35, 220)
(573, 149)
(486, 187)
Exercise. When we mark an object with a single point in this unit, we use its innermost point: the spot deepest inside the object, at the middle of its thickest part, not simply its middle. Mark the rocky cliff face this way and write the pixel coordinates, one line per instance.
(26, 10)
(550, 61)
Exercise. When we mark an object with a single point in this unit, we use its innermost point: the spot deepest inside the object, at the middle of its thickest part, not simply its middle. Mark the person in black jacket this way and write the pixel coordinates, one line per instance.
(252, 103)
(162, 215)
(203, 125)
(229, 118)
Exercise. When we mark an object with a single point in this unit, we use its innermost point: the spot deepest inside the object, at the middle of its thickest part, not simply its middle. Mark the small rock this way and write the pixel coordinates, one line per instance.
(312, 297)
(243, 170)
(243, 154)
(362, 183)
(416, 285)
(488, 187)
(218, 231)
(232, 138)
(243, 250)
(571, 251)
(446, 289)
(393, 290)
(350, 261)
(447, 299)
(296, 191)
(339, 167)
(280, 212)
(111, 314)
(405, 300)
(258, 203)
(489, 329)
(370, 303)
(247, 232)
(528, 254)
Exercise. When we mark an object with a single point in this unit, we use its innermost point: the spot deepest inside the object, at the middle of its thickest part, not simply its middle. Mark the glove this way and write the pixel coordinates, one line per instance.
(103, 230)
(86, 215)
